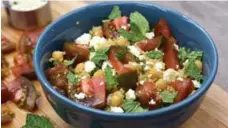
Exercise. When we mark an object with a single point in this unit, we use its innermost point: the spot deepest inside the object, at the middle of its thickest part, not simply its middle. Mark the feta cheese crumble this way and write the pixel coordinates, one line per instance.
(117, 110)
(134, 50)
(170, 75)
(97, 42)
(152, 102)
(80, 96)
(83, 39)
(89, 66)
(196, 84)
(130, 95)
(105, 64)
(159, 66)
(149, 35)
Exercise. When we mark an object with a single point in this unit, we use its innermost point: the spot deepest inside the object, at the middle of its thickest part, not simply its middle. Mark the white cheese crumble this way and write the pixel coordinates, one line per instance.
(89, 66)
(170, 75)
(134, 50)
(149, 35)
(152, 102)
(97, 42)
(80, 96)
(124, 27)
(159, 66)
(83, 39)
(141, 82)
(176, 47)
(180, 79)
(146, 68)
(196, 84)
(117, 109)
(105, 64)
(130, 95)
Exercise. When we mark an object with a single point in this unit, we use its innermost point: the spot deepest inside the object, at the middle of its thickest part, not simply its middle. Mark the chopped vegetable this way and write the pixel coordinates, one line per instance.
(72, 78)
(139, 23)
(185, 53)
(36, 121)
(167, 96)
(130, 36)
(155, 54)
(110, 78)
(121, 53)
(116, 13)
(131, 106)
(193, 71)
(100, 56)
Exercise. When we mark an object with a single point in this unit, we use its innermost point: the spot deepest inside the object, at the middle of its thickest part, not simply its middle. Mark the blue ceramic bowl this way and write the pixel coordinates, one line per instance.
(186, 31)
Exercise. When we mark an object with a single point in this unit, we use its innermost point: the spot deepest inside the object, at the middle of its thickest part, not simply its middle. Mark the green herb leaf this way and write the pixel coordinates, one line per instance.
(100, 56)
(155, 54)
(110, 79)
(72, 78)
(185, 53)
(116, 13)
(167, 96)
(192, 70)
(132, 106)
(121, 53)
(69, 62)
(36, 121)
(139, 23)
(130, 36)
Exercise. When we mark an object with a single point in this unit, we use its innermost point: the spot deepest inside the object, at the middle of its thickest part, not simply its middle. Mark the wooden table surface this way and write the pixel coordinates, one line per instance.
(213, 113)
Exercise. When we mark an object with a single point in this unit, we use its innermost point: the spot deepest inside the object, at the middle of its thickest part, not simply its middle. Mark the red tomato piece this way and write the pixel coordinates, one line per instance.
(150, 44)
(116, 63)
(170, 54)
(5, 94)
(162, 28)
(95, 87)
(145, 92)
(120, 22)
(183, 88)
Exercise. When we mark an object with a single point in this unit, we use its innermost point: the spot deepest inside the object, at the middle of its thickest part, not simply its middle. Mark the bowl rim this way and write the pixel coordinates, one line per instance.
(96, 112)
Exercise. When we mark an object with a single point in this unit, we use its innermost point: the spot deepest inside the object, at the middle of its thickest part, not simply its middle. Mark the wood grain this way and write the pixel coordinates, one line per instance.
(213, 113)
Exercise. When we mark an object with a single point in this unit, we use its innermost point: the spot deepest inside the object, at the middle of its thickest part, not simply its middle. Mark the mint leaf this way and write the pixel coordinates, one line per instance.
(132, 106)
(185, 53)
(139, 23)
(36, 121)
(116, 13)
(155, 54)
(167, 96)
(192, 70)
(72, 78)
(69, 62)
(100, 56)
(110, 79)
(130, 36)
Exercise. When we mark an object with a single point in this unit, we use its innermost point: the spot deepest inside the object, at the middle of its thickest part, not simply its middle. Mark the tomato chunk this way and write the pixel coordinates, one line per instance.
(162, 28)
(81, 52)
(120, 22)
(96, 88)
(171, 55)
(150, 44)
(184, 88)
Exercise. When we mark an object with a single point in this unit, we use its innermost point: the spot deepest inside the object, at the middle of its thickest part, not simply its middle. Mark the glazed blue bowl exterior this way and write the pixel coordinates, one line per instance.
(187, 32)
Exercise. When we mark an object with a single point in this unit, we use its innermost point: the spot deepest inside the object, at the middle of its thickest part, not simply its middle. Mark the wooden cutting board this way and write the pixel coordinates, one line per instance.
(213, 113)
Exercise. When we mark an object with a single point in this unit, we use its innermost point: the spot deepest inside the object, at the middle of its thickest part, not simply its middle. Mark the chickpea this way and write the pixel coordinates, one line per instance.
(161, 84)
(58, 55)
(155, 74)
(97, 31)
(122, 41)
(116, 98)
(99, 73)
(79, 68)
(199, 65)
